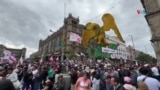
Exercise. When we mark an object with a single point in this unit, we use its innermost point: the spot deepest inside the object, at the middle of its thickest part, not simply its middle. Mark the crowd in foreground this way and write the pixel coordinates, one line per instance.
(83, 76)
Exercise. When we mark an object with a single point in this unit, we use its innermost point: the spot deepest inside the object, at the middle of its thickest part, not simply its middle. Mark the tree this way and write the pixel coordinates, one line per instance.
(145, 57)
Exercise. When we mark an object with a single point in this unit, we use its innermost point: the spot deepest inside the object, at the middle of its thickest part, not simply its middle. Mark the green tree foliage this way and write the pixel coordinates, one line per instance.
(71, 55)
(145, 57)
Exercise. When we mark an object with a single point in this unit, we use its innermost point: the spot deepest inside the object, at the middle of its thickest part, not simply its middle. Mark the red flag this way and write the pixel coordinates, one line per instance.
(21, 60)
(138, 11)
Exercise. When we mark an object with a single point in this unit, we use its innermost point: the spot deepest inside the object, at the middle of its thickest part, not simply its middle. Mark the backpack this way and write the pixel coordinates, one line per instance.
(142, 85)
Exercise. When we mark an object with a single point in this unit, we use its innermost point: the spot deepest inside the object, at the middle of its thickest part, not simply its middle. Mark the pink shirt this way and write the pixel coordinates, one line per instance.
(83, 84)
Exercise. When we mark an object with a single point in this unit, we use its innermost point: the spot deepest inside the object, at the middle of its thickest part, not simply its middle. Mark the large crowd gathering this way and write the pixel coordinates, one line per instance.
(83, 75)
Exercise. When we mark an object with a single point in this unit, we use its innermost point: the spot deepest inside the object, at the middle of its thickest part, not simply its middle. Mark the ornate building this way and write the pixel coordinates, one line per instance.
(17, 52)
(58, 43)
(132, 53)
(152, 8)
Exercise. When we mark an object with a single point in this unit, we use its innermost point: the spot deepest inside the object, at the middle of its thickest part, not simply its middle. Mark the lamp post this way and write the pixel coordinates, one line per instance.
(134, 53)
(145, 49)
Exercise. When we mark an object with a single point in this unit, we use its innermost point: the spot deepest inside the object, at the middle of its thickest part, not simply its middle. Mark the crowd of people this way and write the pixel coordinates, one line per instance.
(84, 75)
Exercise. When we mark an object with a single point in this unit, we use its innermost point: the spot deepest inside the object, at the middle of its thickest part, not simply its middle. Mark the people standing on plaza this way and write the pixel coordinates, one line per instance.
(48, 85)
(115, 82)
(27, 78)
(133, 76)
(74, 77)
(95, 80)
(152, 84)
(36, 78)
(108, 83)
(127, 84)
(20, 72)
(60, 85)
(43, 75)
(51, 74)
(155, 72)
(13, 77)
(2, 73)
(6, 85)
(83, 83)
(122, 73)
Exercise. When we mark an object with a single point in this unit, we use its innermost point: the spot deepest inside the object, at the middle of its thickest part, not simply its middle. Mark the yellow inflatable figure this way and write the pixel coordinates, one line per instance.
(93, 31)
(90, 32)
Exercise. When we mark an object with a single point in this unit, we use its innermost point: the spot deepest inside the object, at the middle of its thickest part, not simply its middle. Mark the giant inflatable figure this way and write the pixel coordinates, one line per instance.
(96, 33)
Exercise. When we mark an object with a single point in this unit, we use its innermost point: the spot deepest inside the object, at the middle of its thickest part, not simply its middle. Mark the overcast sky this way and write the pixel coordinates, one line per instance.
(24, 22)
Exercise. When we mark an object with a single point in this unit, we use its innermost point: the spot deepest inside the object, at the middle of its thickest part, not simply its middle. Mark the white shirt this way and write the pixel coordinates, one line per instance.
(95, 84)
(34, 72)
(152, 83)
(155, 71)
(12, 77)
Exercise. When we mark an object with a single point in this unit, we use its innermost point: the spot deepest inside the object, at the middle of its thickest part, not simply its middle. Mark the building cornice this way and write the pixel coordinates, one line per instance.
(154, 39)
(151, 14)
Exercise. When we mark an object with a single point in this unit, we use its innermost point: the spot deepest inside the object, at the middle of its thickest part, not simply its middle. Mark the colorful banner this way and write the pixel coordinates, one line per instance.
(75, 37)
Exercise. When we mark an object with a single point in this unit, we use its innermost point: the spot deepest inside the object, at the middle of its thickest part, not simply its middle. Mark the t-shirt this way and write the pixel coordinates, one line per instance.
(152, 83)
(50, 73)
(83, 84)
(155, 71)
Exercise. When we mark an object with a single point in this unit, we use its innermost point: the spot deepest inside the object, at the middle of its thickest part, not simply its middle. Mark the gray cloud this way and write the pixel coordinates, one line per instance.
(20, 25)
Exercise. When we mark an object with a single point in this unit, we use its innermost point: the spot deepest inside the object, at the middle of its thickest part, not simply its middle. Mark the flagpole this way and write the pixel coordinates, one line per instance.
(102, 56)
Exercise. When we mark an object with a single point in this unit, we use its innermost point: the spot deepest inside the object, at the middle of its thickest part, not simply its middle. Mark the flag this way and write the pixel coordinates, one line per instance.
(7, 54)
(138, 11)
(82, 54)
(53, 45)
(51, 59)
(21, 60)
(77, 54)
(75, 37)
(12, 57)
(57, 58)
(62, 44)
(41, 60)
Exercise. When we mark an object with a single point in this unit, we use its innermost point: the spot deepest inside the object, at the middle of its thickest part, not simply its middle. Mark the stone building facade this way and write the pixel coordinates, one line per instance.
(132, 53)
(17, 52)
(152, 8)
(58, 43)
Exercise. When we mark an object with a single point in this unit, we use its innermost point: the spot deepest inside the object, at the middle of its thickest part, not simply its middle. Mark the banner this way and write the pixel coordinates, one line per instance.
(7, 54)
(75, 37)
(108, 50)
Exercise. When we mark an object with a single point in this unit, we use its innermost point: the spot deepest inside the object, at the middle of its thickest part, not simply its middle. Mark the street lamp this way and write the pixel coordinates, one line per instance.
(145, 49)
(134, 53)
